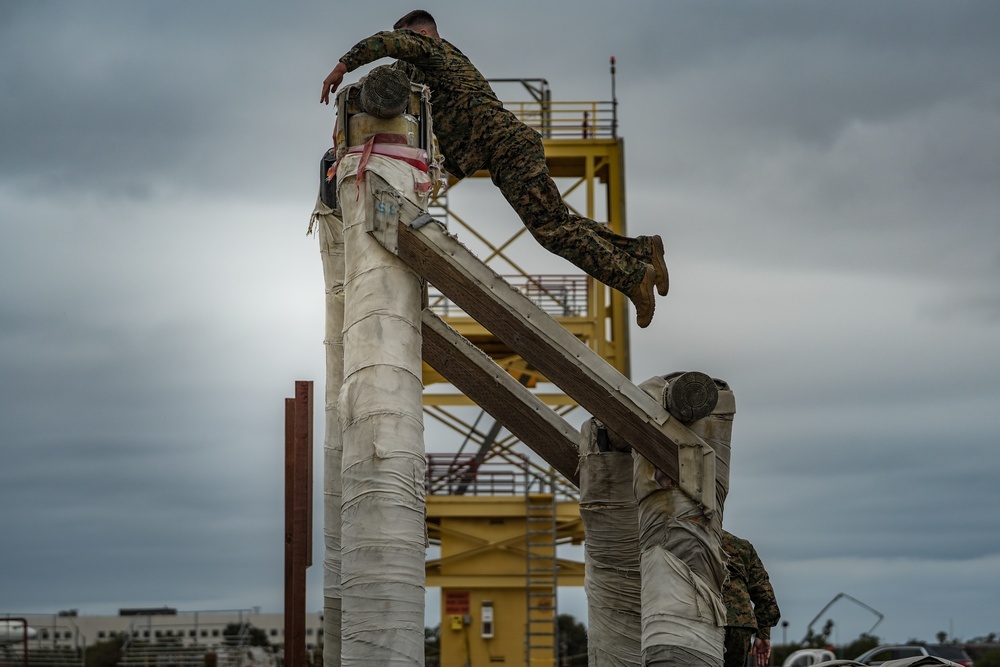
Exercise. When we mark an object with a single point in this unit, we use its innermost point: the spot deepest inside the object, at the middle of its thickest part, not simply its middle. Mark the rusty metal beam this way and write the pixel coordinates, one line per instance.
(298, 518)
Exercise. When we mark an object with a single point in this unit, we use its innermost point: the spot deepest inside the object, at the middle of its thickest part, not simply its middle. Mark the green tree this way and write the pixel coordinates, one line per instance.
(814, 640)
(863, 643)
(257, 636)
(989, 659)
(942, 637)
(105, 654)
(432, 646)
(781, 651)
(572, 641)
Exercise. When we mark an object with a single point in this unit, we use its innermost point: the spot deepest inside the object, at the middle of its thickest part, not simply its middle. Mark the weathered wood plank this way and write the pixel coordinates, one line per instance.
(496, 391)
(576, 369)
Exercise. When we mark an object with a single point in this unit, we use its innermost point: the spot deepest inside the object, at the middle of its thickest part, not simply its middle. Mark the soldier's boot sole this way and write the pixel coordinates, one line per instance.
(643, 298)
(660, 265)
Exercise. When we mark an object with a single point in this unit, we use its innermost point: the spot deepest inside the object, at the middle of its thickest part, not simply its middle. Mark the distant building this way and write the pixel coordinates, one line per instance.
(69, 629)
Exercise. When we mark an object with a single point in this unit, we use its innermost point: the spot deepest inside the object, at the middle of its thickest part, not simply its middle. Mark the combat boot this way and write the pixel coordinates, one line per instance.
(660, 265)
(643, 298)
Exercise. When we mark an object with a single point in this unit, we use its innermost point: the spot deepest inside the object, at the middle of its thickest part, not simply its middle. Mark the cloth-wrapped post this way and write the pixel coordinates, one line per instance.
(714, 422)
(681, 557)
(611, 549)
(381, 412)
(330, 229)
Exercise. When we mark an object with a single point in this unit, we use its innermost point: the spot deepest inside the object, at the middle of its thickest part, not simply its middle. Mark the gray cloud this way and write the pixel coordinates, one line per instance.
(824, 176)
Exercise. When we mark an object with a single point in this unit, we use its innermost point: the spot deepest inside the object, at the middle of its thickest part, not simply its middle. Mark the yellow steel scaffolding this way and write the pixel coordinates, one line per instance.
(496, 513)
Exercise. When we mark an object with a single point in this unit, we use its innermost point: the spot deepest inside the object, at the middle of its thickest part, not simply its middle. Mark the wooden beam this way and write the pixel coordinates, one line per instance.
(608, 395)
(298, 517)
(498, 393)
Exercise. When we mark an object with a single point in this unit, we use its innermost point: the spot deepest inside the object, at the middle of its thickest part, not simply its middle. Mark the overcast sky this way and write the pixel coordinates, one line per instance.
(826, 177)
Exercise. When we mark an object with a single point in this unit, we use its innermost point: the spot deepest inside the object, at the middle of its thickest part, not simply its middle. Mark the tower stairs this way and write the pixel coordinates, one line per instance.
(541, 631)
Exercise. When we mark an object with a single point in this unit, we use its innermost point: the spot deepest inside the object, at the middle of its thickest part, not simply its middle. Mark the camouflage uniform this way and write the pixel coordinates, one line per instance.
(475, 131)
(750, 604)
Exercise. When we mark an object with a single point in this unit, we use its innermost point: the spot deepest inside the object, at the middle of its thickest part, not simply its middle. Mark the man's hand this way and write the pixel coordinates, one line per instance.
(332, 82)
(761, 651)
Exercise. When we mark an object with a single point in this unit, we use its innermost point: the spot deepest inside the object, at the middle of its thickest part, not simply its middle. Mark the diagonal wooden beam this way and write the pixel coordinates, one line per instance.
(496, 391)
(609, 396)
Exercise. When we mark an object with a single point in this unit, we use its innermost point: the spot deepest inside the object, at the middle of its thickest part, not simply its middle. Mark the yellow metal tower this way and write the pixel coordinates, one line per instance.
(496, 513)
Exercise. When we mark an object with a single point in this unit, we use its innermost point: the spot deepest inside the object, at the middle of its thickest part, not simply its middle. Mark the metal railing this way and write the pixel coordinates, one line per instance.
(567, 120)
(510, 474)
(448, 472)
(563, 120)
(557, 295)
(45, 644)
(167, 649)
(16, 656)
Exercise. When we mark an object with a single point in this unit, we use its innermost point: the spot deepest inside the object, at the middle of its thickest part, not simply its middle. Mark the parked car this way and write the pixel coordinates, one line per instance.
(887, 652)
(806, 657)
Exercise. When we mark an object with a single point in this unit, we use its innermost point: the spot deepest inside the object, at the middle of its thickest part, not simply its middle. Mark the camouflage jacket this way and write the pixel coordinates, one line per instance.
(747, 593)
(470, 122)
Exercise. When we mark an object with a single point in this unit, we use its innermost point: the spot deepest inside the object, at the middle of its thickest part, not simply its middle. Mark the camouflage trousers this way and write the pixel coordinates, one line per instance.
(737, 648)
(518, 168)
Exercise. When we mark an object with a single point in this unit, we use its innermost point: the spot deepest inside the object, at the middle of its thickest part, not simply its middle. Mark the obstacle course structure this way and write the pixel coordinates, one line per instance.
(378, 248)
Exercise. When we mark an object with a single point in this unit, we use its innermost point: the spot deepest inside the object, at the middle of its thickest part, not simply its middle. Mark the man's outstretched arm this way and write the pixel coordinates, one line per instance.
(401, 44)
(332, 82)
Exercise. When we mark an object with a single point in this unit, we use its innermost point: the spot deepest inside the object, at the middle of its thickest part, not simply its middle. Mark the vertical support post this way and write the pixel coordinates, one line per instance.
(298, 518)
(331, 241)
(24, 634)
(303, 472)
(381, 412)
(680, 532)
(611, 548)
(291, 653)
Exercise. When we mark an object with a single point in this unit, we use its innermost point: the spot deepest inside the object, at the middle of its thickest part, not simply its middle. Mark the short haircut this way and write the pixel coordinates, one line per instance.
(418, 18)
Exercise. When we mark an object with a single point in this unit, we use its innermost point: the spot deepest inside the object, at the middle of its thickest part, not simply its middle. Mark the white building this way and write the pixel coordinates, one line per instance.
(68, 629)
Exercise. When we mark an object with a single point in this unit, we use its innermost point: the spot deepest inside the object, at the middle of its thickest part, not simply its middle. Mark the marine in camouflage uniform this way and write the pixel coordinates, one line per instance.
(750, 604)
(475, 131)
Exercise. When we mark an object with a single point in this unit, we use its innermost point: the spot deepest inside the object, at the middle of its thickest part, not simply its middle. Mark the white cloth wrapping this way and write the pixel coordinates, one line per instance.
(682, 561)
(381, 413)
(716, 430)
(611, 554)
(331, 243)
(683, 570)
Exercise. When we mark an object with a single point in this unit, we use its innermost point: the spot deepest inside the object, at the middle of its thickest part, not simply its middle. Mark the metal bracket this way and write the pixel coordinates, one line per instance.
(422, 220)
(696, 466)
